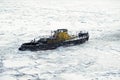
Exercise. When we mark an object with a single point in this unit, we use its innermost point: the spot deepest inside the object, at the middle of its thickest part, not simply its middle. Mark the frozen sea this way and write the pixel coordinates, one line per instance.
(24, 20)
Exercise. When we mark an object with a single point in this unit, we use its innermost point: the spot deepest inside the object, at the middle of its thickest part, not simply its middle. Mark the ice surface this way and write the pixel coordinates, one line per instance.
(23, 20)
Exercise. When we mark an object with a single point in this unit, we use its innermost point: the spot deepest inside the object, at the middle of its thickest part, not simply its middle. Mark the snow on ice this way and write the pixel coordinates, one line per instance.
(23, 20)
